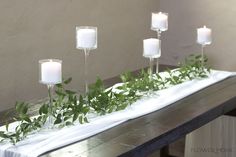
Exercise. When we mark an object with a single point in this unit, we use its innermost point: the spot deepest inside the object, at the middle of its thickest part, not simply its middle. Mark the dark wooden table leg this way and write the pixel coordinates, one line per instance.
(164, 152)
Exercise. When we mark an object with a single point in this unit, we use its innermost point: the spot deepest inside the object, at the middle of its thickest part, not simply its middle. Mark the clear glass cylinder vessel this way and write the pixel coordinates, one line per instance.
(50, 71)
(86, 37)
(159, 21)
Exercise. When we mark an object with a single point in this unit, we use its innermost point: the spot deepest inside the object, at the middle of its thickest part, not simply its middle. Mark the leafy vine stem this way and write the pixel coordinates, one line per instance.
(69, 107)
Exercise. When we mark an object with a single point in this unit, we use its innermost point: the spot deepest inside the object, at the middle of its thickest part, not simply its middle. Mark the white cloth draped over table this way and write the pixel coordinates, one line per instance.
(42, 142)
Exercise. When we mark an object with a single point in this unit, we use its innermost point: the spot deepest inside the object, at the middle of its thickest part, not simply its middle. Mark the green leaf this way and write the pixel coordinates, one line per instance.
(3, 135)
(69, 123)
(59, 85)
(43, 109)
(24, 109)
(81, 100)
(27, 119)
(60, 93)
(7, 126)
(67, 81)
(70, 92)
(126, 77)
(86, 120)
(80, 119)
(76, 114)
(85, 110)
(21, 108)
(58, 119)
(66, 118)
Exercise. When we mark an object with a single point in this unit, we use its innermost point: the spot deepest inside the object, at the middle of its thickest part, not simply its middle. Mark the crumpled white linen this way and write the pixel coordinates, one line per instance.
(41, 142)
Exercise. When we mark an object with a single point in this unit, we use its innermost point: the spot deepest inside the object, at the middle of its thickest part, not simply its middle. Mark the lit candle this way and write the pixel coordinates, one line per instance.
(204, 36)
(159, 21)
(151, 48)
(51, 72)
(86, 37)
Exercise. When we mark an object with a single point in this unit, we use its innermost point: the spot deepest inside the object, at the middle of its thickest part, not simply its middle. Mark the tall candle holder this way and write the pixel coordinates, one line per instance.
(159, 24)
(203, 38)
(86, 40)
(50, 74)
(151, 51)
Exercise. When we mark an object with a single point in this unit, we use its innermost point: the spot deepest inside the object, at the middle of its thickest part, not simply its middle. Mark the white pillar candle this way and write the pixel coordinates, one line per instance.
(86, 37)
(51, 72)
(159, 21)
(151, 48)
(204, 35)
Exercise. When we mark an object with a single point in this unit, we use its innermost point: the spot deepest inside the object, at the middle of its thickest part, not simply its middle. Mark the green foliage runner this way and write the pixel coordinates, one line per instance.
(69, 107)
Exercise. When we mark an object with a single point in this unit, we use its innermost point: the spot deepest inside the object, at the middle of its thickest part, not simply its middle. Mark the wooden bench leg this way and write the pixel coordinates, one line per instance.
(164, 152)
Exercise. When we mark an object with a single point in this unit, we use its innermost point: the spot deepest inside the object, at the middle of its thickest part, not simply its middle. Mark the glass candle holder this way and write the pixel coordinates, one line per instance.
(86, 40)
(151, 50)
(86, 37)
(159, 21)
(50, 74)
(159, 24)
(50, 71)
(204, 38)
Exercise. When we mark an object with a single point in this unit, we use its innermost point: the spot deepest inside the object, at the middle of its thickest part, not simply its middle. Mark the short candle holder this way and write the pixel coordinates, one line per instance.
(159, 24)
(86, 40)
(151, 50)
(50, 74)
(150, 93)
(203, 46)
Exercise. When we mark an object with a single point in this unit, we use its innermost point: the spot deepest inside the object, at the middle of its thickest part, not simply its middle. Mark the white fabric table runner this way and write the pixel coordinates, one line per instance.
(41, 142)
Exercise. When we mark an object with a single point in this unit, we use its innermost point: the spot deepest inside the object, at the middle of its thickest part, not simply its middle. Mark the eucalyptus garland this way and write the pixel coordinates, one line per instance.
(68, 107)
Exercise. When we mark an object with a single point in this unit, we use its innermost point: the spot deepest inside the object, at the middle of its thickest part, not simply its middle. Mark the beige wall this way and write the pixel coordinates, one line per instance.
(31, 30)
(186, 16)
